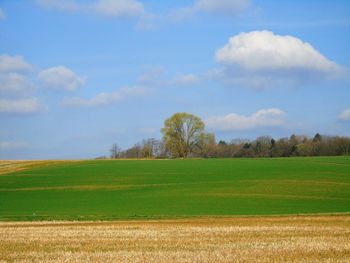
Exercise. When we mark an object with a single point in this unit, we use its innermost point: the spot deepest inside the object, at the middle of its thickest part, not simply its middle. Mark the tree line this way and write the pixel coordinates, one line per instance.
(184, 136)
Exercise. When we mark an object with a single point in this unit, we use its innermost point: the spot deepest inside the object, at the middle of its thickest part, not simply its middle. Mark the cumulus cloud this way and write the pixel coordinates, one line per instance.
(15, 84)
(120, 8)
(16, 87)
(100, 99)
(185, 80)
(18, 84)
(345, 115)
(20, 106)
(229, 7)
(261, 57)
(263, 50)
(61, 78)
(2, 14)
(220, 7)
(104, 98)
(13, 64)
(263, 118)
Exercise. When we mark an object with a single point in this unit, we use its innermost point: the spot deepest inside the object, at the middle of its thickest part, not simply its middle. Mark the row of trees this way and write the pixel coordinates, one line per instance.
(147, 148)
(184, 136)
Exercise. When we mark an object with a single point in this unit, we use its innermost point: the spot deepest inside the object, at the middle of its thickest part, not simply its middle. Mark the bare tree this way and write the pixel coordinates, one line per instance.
(115, 151)
(149, 148)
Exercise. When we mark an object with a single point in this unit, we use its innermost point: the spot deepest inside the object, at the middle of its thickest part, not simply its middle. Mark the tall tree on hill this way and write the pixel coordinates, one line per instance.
(182, 133)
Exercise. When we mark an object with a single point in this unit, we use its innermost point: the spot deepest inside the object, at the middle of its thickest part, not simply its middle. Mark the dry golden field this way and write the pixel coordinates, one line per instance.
(10, 166)
(241, 239)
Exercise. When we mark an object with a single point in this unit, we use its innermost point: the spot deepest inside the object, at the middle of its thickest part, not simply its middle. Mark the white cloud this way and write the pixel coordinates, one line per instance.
(61, 78)
(13, 64)
(120, 8)
(10, 145)
(2, 14)
(100, 99)
(21, 106)
(345, 115)
(228, 7)
(104, 98)
(14, 83)
(185, 80)
(263, 50)
(220, 7)
(263, 118)
(262, 58)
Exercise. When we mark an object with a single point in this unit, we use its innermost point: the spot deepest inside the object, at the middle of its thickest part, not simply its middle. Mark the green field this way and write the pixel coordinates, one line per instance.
(129, 189)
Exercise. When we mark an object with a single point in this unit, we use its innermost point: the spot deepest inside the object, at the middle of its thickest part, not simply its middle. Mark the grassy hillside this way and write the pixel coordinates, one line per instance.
(106, 189)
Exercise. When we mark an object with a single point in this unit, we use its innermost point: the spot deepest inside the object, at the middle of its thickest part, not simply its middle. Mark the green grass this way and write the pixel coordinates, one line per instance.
(126, 189)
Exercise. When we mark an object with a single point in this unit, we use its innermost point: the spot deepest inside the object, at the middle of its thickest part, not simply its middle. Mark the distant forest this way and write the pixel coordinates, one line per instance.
(264, 146)
(184, 137)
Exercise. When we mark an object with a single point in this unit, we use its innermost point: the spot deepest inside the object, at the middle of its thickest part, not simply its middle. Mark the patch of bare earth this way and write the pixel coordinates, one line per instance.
(242, 239)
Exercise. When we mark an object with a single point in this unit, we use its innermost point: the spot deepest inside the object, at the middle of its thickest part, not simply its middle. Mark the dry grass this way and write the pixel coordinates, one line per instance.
(10, 166)
(241, 239)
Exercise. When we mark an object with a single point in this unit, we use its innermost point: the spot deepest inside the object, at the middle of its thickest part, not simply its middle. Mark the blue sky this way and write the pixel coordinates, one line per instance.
(77, 76)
